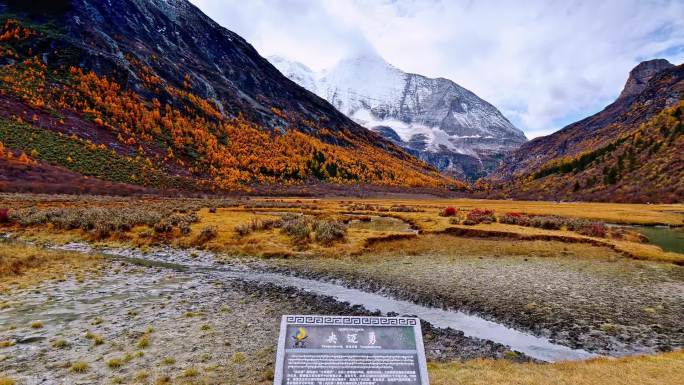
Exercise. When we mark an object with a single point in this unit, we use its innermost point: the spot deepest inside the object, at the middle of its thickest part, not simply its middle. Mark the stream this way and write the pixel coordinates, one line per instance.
(202, 263)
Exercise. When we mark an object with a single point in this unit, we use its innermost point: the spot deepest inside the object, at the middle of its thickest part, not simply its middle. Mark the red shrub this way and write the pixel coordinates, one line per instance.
(450, 212)
(476, 216)
(4, 215)
(595, 229)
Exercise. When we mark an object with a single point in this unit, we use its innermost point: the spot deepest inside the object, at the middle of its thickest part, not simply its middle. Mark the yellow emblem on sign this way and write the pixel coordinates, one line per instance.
(301, 335)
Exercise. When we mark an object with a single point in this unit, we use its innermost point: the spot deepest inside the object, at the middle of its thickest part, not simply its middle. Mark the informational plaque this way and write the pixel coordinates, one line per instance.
(339, 350)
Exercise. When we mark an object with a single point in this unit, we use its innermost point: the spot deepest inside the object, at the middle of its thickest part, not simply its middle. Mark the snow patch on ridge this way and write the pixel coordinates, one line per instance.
(431, 116)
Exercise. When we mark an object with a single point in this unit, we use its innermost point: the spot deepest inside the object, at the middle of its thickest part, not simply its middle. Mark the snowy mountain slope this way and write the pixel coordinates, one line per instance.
(434, 119)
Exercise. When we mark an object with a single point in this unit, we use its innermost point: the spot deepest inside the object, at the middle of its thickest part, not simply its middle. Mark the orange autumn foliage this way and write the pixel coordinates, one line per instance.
(223, 152)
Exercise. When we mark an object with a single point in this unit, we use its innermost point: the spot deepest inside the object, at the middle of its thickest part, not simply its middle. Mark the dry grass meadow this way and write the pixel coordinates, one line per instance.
(666, 368)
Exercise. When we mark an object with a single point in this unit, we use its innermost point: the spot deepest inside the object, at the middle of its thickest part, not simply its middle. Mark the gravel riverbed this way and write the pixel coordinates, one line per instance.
(613, 306)
(148, 319)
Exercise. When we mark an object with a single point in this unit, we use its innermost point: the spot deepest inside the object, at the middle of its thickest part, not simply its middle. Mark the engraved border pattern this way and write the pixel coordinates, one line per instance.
(348, 320)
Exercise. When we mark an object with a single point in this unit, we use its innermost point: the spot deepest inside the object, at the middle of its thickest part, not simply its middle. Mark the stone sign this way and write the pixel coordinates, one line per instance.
(339, 350)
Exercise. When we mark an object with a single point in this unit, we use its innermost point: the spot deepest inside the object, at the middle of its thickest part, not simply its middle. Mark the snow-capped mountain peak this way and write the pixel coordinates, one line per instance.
(435, 119)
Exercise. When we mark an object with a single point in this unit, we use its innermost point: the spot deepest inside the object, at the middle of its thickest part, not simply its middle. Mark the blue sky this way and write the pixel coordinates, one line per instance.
(544, 64)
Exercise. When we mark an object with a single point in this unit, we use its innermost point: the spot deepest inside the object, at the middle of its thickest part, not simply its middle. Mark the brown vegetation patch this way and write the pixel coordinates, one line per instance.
(26, 265)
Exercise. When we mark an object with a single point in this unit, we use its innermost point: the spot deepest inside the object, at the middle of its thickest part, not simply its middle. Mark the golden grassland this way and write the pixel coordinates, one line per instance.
(24, 266)
(623, 213)
(660, 369)
(422, 213)
(428, 220)
(273, 242)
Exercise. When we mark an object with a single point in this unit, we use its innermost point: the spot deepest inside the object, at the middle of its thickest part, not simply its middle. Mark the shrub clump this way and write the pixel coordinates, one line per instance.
(515, 218)
(362, 207)
(476, 216)
(554, 222)
(405, 209)
(449, 212)
(548, 222)
(298, 228)
(4, 215)
(103, 221)
(207, 234)
(327, 232)
(594, 229)
(257, 225)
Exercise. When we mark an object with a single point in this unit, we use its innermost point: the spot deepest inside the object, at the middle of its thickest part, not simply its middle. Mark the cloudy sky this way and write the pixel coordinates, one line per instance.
(544, 64)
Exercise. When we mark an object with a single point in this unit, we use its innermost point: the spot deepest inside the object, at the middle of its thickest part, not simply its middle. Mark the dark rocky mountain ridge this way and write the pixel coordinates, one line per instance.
(175, 59)
(626, 113)
(630, 151)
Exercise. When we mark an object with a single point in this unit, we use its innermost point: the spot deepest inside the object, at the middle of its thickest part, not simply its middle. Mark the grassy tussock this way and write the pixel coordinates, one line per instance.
(207, 234)
(325, 232)
(257, 224)
(659, 369)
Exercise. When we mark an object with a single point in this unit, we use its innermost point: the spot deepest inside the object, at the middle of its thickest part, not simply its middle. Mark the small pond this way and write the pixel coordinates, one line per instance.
(668, 238)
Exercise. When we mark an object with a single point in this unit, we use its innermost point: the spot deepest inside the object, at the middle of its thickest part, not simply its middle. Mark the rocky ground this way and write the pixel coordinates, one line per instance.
(150, 319)
(609, 305)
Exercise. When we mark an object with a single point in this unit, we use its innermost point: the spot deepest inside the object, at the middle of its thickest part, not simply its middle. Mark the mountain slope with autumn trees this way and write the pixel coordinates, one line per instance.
(632, 151)
(153, 93)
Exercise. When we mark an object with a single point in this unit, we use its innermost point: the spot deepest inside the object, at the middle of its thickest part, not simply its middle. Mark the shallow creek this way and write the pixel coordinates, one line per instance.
(201, 263)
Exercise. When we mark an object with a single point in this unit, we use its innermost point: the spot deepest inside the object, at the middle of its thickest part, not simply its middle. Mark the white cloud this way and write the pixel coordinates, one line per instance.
(544, 63)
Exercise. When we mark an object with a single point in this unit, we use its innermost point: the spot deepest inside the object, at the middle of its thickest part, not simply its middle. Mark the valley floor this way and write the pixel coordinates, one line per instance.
(154, 302)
